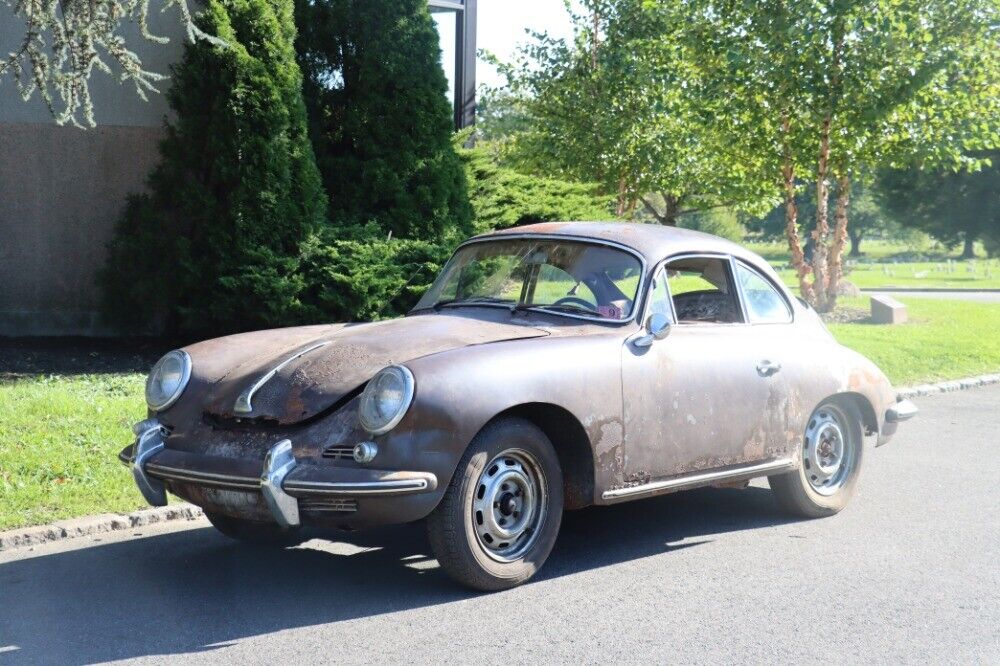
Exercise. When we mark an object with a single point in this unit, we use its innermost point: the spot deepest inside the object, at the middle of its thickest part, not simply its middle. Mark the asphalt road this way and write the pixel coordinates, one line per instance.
(908, 573)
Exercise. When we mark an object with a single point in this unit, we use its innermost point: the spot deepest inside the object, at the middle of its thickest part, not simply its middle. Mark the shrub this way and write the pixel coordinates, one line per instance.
(380, 118)
(214, 245)
(503, 197)
(367, 275)
(719, 222)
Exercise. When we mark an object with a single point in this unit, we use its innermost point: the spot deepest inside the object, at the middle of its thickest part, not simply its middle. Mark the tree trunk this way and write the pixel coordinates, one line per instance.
(836, 261)
(969, 250)
(856, 235)
(822, 231)
(671, 206)
(821, 274)
(792, 217)
(671, 210)
(621, 202)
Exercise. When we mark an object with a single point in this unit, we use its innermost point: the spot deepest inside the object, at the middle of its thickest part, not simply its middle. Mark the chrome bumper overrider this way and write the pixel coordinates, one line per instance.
(281, 480)
(901, 411)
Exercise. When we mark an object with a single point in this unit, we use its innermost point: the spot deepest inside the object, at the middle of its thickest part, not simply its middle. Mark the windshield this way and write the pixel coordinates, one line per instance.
(561, 276)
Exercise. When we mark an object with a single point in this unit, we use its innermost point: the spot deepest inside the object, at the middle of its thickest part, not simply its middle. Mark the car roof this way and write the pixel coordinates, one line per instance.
(652, 241)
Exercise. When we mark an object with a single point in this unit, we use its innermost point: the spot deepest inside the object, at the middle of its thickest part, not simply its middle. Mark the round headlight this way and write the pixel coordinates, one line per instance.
(167, 380)
(386, 399)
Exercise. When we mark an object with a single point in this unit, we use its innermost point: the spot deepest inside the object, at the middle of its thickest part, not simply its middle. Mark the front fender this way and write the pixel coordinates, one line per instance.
(459, 392)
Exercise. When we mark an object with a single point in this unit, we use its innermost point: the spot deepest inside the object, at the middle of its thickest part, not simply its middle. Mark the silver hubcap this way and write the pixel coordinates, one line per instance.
(509, 505)
(828, 454)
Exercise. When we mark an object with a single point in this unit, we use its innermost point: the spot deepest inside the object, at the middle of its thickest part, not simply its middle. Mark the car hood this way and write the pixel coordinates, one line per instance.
(319, 366)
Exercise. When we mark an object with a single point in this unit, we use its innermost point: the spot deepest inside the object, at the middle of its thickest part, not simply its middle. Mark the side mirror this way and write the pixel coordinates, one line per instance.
(657, 328)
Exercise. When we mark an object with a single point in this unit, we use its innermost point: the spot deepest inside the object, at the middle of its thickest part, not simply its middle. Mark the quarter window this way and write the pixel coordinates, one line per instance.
(659, 296)
(764, 304)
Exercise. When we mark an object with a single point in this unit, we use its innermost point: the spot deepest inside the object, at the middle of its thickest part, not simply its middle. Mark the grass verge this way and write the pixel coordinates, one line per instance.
(59, 443)
(943, 340)
(60, 435)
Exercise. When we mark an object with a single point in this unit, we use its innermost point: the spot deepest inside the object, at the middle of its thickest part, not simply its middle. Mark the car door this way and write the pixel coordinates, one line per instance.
(695, 400)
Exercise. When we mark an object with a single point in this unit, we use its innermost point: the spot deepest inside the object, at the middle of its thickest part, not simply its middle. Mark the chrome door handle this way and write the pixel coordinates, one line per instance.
(766, 368)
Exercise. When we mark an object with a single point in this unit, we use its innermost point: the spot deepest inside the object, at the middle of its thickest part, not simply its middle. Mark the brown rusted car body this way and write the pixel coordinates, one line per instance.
(626, 422)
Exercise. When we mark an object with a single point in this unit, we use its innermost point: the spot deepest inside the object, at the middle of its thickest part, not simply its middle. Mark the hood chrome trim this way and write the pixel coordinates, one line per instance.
(243, 402)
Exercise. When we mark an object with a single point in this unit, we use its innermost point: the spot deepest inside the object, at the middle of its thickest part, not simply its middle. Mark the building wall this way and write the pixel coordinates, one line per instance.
(62, 188)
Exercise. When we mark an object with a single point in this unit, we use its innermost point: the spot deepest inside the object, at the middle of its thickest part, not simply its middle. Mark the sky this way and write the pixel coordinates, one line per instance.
(502, 24)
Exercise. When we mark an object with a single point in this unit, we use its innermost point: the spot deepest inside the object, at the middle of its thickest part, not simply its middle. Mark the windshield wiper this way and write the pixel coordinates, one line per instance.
(476, 300)
(564, 307)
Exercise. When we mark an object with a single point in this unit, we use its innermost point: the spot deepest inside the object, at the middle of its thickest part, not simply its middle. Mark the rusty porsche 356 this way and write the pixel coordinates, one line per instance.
(549, 367)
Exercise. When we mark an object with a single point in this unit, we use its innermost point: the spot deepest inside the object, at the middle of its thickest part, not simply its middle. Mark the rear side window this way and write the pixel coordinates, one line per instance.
(764, 304)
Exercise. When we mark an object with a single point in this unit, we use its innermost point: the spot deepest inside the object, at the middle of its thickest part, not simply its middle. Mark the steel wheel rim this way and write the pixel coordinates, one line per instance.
(508, 505)
(829, 452)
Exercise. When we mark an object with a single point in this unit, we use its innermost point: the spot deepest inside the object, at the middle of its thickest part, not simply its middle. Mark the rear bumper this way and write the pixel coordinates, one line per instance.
(903, 410)
(280, 481)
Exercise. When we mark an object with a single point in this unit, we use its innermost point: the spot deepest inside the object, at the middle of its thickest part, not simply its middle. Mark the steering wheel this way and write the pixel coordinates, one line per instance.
(576, 300)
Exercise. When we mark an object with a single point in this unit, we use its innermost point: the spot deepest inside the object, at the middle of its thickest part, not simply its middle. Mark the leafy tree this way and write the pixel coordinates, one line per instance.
(827, 90)
(618, 106)
(380, 120)
(215, 243)
(954, 206)
(867, 216)
(64, 40)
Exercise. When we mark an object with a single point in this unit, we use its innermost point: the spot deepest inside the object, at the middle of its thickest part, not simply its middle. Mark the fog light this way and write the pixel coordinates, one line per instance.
(365, 452)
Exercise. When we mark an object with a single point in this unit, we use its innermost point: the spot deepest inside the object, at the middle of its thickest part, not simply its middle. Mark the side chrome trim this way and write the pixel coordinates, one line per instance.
(277, 464)
(388, 487)
(243, 404)
(698, 478)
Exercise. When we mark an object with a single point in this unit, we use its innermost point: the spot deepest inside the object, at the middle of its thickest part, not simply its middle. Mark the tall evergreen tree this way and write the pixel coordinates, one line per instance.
(214, 245)
(380, 117)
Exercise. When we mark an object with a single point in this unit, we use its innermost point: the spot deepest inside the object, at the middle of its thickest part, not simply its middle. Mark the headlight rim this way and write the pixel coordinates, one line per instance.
(185, 378)
(409, 390)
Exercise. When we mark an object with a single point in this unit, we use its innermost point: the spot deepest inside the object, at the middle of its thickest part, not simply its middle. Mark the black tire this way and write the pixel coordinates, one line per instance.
(795, 492)
(253, 531)
(456, 531)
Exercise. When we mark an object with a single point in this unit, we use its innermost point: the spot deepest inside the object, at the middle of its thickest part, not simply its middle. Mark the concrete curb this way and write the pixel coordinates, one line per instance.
(92, 525)
(946, 387)
(111, 522)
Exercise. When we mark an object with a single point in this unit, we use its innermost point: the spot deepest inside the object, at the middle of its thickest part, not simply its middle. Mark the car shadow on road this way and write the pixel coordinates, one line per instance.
(194, 590)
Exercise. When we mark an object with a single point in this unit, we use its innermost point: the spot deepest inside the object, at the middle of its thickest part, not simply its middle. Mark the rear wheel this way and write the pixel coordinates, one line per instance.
(832, 450)
(253, 531)
(500, 514)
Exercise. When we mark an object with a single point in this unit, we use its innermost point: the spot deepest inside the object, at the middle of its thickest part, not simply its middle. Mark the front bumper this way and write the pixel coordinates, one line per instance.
(281, 480)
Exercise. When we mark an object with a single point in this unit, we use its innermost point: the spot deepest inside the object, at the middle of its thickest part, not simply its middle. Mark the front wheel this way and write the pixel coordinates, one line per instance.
(831, 460)
(500, 514)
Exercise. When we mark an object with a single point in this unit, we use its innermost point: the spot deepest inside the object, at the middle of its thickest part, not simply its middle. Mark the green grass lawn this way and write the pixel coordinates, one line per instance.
(60, 435)
(943, 340)
(59, 442)
(878, 268)
(980, 274)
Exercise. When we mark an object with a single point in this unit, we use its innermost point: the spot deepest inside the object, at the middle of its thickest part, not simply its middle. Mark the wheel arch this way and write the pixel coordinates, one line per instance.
(868, 417)
(571, 443)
